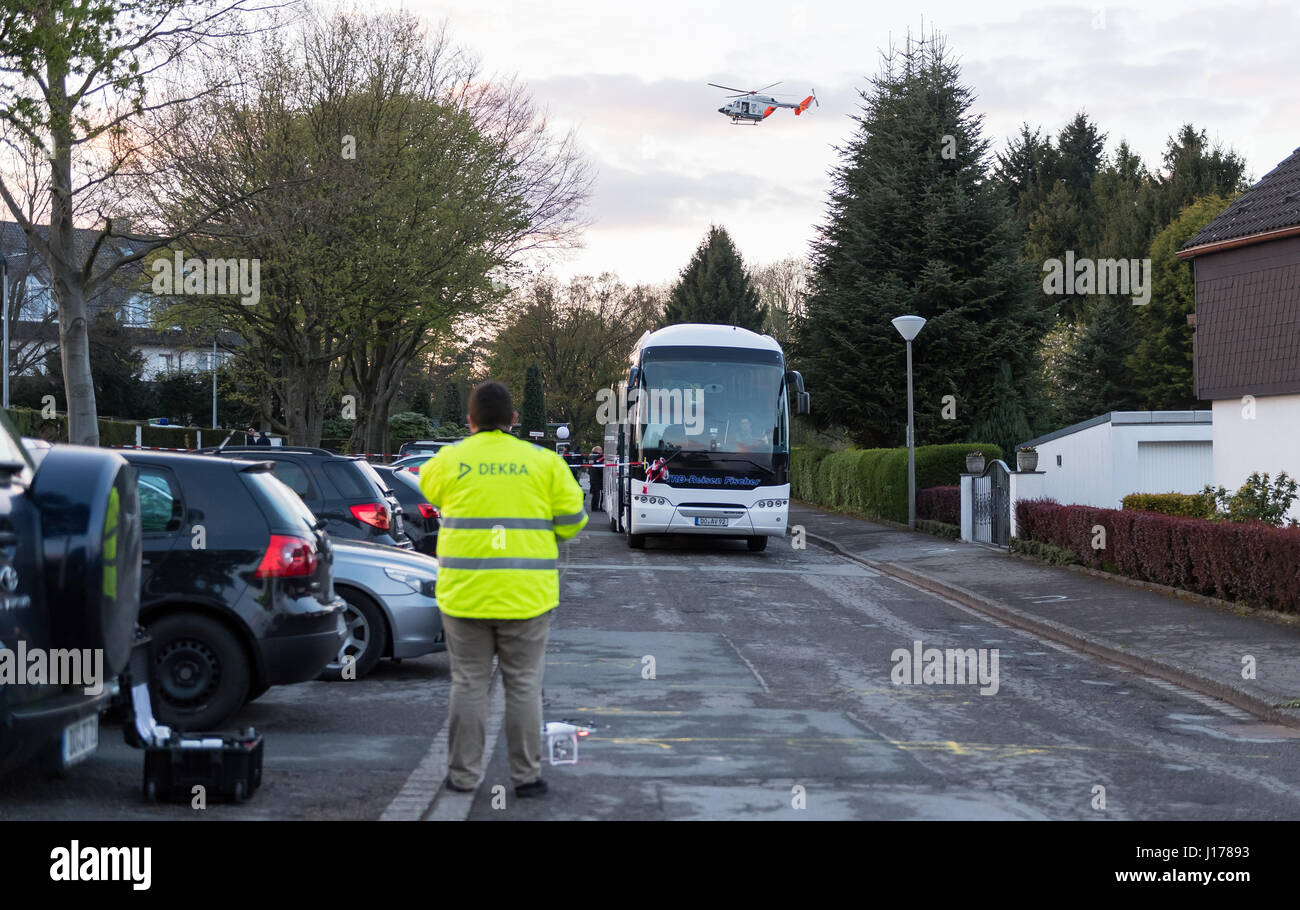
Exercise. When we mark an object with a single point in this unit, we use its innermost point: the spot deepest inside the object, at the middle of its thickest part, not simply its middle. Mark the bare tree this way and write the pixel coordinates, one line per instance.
(74, 83)
(782, 290)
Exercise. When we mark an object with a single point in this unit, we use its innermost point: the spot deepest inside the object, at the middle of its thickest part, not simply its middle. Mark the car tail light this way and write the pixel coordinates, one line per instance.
(287, 557)
(414, 469)
(374, 514)
(427, 510)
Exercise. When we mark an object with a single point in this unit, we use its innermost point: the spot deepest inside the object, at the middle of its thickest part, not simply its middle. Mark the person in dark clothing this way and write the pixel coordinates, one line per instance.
(252, 436)
(263, 440)
(596, 474)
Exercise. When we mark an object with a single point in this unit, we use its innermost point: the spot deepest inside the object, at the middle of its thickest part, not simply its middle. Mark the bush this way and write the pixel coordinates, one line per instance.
(1250, 562)
(1256, 500)
(873, 482)
(1053, 556)
(1187, 505)
(409, 425)
(939, 504)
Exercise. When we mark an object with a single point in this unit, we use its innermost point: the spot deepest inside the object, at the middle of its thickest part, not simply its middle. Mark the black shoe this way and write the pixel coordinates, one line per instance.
(448, 785)
(536, 788)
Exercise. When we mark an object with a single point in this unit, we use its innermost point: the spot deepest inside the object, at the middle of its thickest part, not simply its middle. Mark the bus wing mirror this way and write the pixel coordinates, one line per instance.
(633, 378)
(802, 403)
(794, 379)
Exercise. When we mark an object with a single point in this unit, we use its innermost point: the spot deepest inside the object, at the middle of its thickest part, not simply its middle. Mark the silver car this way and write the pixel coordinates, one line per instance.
(391, 610)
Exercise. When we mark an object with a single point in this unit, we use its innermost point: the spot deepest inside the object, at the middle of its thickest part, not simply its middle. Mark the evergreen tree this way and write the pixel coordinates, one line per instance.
(1162, 359)
(916, 226)
(1026, 171)
(715, 288)
(1193, 168)
(452, 410)
(533, 415)
(1096, 370)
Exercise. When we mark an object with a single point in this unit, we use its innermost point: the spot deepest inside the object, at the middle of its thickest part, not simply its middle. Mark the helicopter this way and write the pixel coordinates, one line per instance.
(752, 107)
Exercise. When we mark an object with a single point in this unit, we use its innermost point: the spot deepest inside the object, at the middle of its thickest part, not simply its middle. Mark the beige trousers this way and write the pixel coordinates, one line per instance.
(520, 647)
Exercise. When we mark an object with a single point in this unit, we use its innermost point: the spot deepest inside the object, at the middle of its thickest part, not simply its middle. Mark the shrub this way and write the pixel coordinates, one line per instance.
(409, 425)
(1055, 556)
(939, 504)
(1255, 500)
(1187, 505)
(873, 482)
(1250, 561)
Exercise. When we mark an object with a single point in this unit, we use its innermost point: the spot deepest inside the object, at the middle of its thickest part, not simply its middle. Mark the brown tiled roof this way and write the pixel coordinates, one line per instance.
(1272, 204)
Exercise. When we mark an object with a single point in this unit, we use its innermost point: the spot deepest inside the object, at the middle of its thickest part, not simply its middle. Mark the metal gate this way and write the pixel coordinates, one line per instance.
(991, 509)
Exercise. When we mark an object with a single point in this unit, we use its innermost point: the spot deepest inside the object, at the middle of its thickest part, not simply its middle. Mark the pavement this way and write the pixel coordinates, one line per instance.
(1244, 657)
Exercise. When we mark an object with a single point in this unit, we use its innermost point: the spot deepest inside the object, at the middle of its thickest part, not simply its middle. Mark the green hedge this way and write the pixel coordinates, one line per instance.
(112, 433)
(873, 482)
(1188, 505)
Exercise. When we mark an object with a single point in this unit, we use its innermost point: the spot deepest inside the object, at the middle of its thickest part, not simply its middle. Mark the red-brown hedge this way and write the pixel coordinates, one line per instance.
(939, 504)
(1250, 562)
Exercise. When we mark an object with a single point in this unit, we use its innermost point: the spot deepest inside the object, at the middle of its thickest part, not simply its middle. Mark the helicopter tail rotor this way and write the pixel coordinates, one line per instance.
(803, 105)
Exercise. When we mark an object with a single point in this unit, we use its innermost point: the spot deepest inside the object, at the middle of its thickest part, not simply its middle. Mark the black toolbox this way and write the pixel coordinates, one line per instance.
(225, 765)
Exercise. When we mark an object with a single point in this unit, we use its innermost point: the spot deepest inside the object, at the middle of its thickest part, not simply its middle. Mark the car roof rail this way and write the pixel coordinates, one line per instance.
(297, 450)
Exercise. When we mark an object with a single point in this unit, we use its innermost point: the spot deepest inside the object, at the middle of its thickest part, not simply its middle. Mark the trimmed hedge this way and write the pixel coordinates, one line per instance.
(939, 529)
(1187, 505)
(939, 504)
(873, 482)
(1249, 562)
(112, 433)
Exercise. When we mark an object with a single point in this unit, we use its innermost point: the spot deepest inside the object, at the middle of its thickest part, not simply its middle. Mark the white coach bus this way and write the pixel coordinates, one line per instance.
(709, 405)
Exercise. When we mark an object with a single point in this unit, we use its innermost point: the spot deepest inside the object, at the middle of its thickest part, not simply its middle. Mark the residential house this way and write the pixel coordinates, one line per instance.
(1247, 328)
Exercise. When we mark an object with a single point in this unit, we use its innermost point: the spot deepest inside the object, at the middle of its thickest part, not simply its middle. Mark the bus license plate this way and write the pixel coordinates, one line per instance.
(712, 522)
(80, 739)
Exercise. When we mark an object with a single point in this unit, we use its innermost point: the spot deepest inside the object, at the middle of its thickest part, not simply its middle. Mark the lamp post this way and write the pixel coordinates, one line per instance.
(909, 327)
(214, 381)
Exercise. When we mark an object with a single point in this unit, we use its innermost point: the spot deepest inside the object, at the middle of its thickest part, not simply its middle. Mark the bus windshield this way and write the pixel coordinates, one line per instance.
(720, 408)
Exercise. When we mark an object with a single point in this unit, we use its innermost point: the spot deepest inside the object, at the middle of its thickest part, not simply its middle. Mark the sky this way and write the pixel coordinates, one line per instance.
(631, 79)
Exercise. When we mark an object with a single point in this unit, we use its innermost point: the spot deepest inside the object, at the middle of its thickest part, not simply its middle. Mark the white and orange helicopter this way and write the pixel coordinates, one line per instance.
(752, 107)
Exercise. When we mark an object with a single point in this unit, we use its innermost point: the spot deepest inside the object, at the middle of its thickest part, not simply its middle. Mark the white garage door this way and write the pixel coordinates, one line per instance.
(1174, 467)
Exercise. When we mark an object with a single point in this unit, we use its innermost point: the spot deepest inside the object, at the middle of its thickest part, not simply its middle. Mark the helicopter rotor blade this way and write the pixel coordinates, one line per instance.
(766, 87)
(729, 88)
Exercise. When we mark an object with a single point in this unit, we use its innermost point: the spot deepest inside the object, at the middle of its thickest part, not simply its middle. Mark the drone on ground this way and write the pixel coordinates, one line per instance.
(752, 107)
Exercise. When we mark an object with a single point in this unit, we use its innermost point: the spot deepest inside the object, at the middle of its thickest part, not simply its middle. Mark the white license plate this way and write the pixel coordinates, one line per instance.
(80, 739)
(712, 522)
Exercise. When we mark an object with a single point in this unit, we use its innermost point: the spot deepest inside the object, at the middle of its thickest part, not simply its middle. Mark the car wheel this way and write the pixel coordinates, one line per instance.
(256, 691)
(202, 672)
(364, 639)
(757, 544)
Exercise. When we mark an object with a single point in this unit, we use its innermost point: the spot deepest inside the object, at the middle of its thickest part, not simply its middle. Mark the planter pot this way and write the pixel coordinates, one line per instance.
(974, 464)
(1027, 461)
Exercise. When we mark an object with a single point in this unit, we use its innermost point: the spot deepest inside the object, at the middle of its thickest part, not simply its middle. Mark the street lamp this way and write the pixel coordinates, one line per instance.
(909, 327)
(4, 308)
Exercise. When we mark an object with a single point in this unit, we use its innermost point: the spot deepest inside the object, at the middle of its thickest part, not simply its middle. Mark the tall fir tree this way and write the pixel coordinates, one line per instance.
(1162, 359)
(715, 288)
(533, 416)
(916, 226)
(451, 411)
(1195, 167)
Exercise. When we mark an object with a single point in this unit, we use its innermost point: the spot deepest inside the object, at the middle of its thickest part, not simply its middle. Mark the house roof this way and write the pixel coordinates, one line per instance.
(1269, 209)
(13, 241)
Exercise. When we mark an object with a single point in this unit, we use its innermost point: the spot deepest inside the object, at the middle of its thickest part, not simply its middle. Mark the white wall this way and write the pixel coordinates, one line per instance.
(1102, 464)
(1268, 441)
(1085, 474)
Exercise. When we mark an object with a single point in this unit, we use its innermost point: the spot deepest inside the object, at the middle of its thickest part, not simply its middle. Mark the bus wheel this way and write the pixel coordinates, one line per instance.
(636, 541)
(757, 544)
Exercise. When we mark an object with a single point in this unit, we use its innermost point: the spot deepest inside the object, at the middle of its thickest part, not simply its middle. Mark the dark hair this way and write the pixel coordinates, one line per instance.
(490, 406)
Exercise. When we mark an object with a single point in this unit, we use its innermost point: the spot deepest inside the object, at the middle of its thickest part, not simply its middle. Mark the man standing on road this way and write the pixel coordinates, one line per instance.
(596, 474)
(504, 505)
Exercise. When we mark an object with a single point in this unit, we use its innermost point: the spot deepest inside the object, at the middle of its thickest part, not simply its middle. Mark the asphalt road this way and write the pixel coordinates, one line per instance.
(726, 684)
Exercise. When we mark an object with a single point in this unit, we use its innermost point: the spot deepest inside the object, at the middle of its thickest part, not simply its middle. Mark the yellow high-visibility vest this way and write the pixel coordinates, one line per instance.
(504, 504)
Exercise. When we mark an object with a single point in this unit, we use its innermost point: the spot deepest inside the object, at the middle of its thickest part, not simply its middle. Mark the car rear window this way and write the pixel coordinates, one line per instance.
(373, 476)
(350, 482)
(280, 504)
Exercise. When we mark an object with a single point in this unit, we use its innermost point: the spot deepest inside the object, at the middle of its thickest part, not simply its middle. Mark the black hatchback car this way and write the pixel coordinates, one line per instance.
(344, 490)
(237, 585)
(422, 519)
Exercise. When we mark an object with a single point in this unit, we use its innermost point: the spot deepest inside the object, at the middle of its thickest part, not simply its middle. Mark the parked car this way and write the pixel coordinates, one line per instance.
(237, 584)
(422, 519)
(69, 579)
(410, 463)
(425, 446)
(391, 610)
(343, 490)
